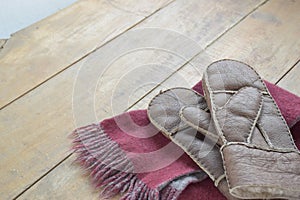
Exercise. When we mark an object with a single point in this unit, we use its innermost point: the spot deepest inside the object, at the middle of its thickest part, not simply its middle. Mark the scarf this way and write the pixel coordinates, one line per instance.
(127, 155)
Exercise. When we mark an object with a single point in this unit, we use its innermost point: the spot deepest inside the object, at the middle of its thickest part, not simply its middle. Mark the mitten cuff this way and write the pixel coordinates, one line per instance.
(258, 173)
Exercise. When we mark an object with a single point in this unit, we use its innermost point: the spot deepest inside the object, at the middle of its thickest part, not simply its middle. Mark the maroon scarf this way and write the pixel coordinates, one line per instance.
(127, 155)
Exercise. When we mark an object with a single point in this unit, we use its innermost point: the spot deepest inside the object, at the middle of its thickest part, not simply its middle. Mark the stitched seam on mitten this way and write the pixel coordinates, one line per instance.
(276, 106)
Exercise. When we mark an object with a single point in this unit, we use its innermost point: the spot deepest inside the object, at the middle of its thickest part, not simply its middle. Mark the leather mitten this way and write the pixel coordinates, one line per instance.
(163, 112)
(259, 155)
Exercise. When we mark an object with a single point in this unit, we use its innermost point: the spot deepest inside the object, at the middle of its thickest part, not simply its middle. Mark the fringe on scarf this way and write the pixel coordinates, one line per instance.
(170, 193)
(103, 158)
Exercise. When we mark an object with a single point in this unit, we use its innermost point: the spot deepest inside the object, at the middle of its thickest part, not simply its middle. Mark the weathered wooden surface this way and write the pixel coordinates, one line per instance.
(42, 50)
(74, 184)
(291, 81)
(270, 65)
(34, 128)
(40, 137)
(267, 39)
(30, 57)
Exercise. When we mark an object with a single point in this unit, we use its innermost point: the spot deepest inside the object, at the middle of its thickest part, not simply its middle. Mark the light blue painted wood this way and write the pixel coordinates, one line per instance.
(18, 14)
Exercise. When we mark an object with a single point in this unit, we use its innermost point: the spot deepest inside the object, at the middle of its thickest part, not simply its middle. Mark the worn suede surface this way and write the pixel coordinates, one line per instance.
(130, 129)
(289, 105)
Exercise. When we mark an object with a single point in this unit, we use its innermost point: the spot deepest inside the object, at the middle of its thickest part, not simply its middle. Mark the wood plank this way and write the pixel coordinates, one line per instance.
(268, 40)
(187, 76)
(167, 56)
(191, 73)
(270, 64)
(84, 188)
(291, 81)
(26, 149)
(36, 125)
(38, 52)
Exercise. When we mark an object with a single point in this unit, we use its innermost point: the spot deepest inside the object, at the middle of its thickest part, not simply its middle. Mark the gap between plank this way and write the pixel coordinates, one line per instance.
(63, 160)
(68, 66)
(92, 51)
(188, 61)
(293, 66)
(221, 35)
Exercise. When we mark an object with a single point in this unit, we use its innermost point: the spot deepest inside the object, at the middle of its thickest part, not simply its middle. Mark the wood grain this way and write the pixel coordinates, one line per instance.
(268, 40)
(192, 72)
(44, 191)
(38, 52)
(64, 82)
(291, 81)
(132, 75)
(22, 165)
(36, 125)
(186, 76)
(270, 65)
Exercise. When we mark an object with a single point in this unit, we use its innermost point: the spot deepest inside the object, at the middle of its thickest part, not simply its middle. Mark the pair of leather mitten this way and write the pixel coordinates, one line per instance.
(163, 112)
(247, 150)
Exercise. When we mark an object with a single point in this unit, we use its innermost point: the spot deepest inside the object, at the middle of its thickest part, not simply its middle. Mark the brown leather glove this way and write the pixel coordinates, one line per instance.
(163, 112)
(259, 155)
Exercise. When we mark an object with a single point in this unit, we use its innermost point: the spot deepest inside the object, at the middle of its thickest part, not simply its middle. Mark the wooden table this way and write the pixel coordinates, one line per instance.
(96, 59)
